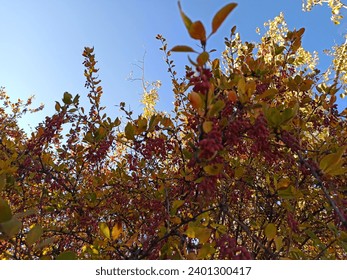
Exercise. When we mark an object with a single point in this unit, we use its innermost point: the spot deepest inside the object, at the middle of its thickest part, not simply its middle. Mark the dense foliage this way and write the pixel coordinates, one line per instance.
(251, 163)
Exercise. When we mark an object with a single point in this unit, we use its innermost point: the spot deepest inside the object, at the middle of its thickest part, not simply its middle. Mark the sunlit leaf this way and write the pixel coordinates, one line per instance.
(221, 15)
(117, 230)
(186, 20)
(105, 230)
(197, 31)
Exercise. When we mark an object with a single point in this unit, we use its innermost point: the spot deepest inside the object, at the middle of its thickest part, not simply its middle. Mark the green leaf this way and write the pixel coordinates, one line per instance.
(11, 227)
(34, 235)
(186, 20)
(221, 15)
(270, 231)
(67, 98)
(203, 234)
(67, 255)
(5, 211)
(269, 93)
(278, 242)
(105, 230)
(182, 48)
(57, 106)
(286, 193)
(3, 182)
(175, 205)
(216, 108)
(206, 250)
(202, 58)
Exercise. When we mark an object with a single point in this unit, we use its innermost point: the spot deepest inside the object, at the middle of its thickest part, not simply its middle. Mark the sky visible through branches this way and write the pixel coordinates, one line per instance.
(42, 42)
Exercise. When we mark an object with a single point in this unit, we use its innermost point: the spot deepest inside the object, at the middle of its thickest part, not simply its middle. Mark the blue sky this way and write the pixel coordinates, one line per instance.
(42, 42)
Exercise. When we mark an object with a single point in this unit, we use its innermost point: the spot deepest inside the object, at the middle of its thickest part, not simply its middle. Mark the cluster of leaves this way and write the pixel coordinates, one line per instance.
(251, 165)
(335, 5)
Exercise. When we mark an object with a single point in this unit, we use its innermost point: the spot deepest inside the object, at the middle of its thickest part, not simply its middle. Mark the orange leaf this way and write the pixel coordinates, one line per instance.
(221, 15)
(197, 31)
(117, 230)
(182, 49)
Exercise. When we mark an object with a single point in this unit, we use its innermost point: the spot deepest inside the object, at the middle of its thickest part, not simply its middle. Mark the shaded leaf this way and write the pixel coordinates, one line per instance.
(213, 169)
(270, 231)
(182, 48)
(202, 58)
(129, 131)
(207, 126)
(11, 227)
(67, 255)
(5, 211)
(34, 234)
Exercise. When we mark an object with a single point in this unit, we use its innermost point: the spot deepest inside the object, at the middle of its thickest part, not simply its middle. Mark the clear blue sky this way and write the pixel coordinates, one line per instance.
(42, 42)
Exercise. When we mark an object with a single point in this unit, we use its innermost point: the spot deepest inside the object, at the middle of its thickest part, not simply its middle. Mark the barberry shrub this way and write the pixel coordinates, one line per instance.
(250, 164)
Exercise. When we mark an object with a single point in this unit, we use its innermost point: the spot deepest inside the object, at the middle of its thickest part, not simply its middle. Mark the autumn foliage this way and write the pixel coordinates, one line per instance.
(250, 164)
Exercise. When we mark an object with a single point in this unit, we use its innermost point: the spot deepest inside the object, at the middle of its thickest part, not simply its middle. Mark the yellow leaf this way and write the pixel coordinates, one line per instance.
(241, 86)
(213, 169)
(105, 230)
(331, 162)
(207, 126)
(203, 234)
(270, 231)
(117, 230)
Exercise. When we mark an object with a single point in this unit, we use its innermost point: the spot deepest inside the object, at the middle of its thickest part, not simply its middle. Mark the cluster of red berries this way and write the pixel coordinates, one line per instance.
(50, 129)
(201, 82)
(229, 250)
(292, 222)
(290, 141)
(211, 144)
(260, 133)
(100, 151)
